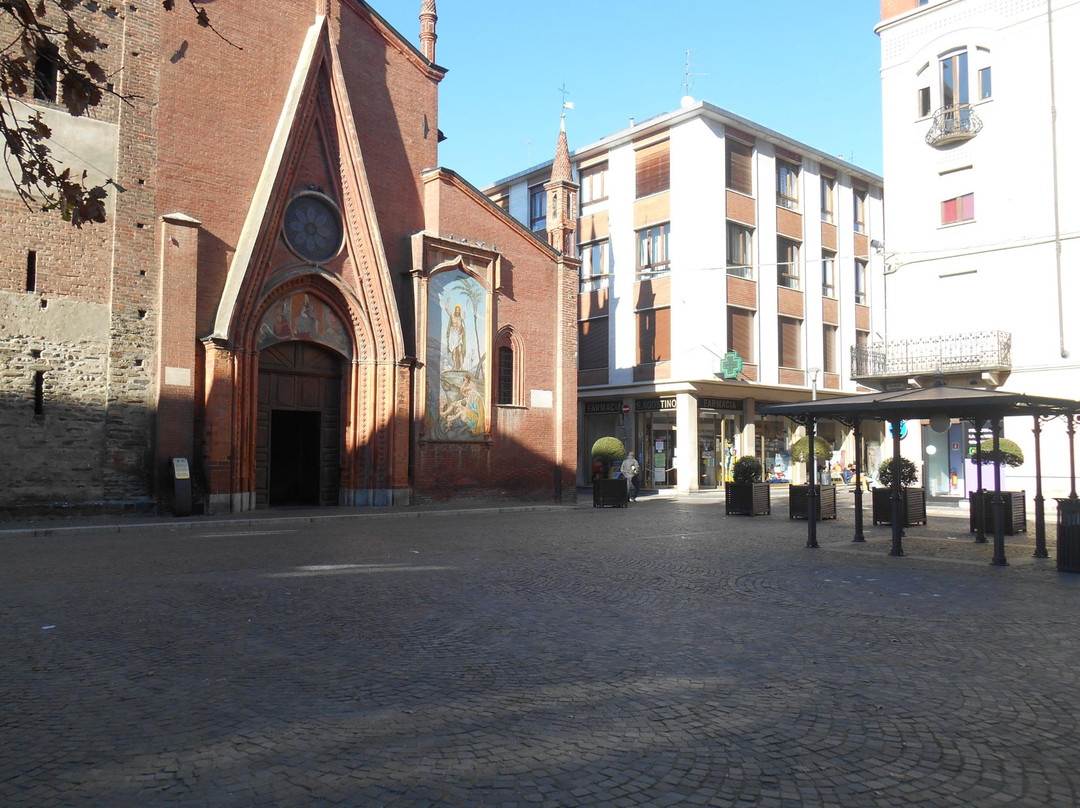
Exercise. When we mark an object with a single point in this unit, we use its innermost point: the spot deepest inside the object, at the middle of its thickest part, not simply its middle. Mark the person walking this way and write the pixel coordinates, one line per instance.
(630, 468)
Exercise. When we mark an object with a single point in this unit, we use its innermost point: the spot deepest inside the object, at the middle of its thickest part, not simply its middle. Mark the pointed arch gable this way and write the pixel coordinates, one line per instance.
(316, 116)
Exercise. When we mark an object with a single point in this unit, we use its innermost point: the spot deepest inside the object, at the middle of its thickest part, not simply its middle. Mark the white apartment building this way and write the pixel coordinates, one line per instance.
(724, 267)
(981, 251)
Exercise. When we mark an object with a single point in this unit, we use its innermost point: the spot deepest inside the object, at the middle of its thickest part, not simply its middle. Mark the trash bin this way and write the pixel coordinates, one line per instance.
(1068, 534)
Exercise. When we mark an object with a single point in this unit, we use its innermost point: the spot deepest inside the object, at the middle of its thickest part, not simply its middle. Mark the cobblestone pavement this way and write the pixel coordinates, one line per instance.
(658, 655)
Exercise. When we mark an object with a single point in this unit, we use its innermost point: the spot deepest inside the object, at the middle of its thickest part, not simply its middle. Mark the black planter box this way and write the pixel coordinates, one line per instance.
(747, 499)
(610, 493)
(912, 506)
(1015, 511)
(1068, 535)
(825, 505)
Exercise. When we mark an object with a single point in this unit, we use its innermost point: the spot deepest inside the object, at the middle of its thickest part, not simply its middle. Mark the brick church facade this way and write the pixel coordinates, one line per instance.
(288, 291)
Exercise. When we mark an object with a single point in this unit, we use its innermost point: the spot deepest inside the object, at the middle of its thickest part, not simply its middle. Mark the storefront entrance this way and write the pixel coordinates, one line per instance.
(297, 452)
(658, 442)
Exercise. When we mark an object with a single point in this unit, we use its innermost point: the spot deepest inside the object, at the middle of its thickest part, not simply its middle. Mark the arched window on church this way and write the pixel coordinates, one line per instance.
(509, 370)
(506, 375)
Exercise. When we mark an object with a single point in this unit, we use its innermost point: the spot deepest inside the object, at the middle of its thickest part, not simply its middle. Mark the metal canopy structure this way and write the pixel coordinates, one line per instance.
(940, 401)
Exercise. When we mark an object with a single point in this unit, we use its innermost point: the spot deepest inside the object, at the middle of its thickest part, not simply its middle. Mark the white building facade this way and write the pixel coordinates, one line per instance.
(981, 244)
(724, 267)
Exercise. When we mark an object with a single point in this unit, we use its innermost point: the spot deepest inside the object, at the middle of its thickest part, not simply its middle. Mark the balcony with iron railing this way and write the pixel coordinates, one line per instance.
(983, 357)
(953, 124)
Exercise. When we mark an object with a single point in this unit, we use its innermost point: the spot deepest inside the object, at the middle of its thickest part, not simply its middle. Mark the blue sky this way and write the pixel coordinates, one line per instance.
(806, 69)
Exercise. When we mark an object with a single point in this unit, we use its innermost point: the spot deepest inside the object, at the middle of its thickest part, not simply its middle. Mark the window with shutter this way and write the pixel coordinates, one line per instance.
(789, 344)
(829, 348)
(740, 175)
(593, 344)
(653, 169)
(740, 332)
(654, 336)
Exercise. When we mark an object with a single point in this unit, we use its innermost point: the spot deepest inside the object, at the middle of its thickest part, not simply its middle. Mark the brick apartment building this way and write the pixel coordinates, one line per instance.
(287, 292)
(723, 266)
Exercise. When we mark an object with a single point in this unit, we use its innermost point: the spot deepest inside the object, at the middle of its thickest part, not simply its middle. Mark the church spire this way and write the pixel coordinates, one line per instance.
(428, 18)
(562, 194)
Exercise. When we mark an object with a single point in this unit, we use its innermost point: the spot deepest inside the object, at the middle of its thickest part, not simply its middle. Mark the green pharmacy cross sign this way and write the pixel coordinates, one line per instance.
(731, 365)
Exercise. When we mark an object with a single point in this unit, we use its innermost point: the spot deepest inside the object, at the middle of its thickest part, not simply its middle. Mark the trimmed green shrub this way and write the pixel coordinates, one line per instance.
(800, 449)
(1009, 453)
(609, 449)
(747, 469)
(908, 473)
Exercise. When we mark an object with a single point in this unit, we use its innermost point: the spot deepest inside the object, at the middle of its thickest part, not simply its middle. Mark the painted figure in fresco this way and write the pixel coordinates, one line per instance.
(468, 408)
(307, 322)
(455, 334)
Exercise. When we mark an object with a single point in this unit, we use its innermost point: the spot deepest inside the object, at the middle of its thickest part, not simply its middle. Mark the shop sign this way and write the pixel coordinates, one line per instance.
(654, 404)
(720, 403)
(731, 365)
(603, 407)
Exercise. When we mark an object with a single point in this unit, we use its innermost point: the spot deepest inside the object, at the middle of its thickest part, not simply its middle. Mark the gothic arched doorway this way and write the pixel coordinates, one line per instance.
(298, 434)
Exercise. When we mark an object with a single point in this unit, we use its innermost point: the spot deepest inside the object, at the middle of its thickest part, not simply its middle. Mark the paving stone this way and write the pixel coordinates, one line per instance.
(567, 656)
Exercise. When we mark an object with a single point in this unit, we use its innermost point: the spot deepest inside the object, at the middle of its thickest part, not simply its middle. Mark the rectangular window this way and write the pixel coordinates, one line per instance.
(860, 210)
(787, 185)
(740, 332)
(828, 273)
(860, 281)
(960, 209)
(39, 392)
(924, 101)
(537, 208)
(593, 182)
(789, 343)
(740, 174)
(862, 339)
(740, 250)
(45, 72)
(594, 266)
(828, 340)
(954, 93)
(593, 344)
(828, 199)
(502, 202)
(31, 270)
(985, 89)
(653, 169)
(654, 336)
(652, 252)
(787, 263)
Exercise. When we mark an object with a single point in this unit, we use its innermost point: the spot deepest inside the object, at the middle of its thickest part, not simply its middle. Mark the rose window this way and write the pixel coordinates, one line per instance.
(313, 228)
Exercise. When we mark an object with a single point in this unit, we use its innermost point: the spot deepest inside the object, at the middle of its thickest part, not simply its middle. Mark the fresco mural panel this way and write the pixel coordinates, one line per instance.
(457, 338)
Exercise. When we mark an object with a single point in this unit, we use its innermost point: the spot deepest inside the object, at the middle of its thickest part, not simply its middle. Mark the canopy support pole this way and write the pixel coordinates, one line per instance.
(859, 537)
(996, 425)
(897, 509)
(1040, 507)
(811, 495)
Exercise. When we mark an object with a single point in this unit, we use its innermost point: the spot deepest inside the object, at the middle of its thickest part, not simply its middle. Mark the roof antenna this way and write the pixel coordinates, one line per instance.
(688, 84)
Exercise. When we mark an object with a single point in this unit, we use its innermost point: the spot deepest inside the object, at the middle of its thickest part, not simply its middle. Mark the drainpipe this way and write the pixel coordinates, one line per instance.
(1057, 204)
